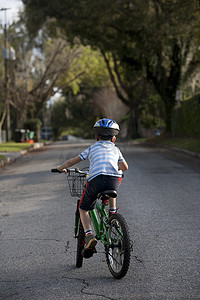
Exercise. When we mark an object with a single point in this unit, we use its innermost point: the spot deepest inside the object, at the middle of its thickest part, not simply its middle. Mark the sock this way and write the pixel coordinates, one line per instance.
(88, 231)
(112, 210)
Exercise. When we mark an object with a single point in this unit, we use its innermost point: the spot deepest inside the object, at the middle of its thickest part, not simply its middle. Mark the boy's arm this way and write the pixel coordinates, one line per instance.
(69, 163)
(123, 166)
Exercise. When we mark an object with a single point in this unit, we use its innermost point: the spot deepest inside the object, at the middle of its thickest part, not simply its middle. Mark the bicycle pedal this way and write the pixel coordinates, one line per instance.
(87, 253)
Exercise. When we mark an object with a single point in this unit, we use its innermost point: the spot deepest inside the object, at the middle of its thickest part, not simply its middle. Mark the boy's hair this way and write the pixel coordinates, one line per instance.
(105, 137)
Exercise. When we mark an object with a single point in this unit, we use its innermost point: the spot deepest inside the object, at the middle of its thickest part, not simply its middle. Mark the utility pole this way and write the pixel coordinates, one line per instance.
(6, 57)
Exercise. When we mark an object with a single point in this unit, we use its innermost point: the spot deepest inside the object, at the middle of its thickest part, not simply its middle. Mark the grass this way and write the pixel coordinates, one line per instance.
(13, 147)
(187, 143)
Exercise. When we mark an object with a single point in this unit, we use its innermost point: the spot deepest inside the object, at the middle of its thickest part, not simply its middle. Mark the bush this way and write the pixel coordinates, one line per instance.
(188, 117)
(34, 125)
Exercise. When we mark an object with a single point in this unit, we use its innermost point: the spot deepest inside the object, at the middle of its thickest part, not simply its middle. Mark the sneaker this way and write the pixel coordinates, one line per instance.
(87, 253)
(90, 241)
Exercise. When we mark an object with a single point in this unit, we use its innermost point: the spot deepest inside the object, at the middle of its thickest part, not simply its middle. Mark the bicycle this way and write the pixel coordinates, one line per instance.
(111, 230)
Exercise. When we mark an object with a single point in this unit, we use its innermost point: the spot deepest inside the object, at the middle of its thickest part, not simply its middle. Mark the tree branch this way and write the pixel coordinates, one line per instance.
(3, 117)
(113, 79)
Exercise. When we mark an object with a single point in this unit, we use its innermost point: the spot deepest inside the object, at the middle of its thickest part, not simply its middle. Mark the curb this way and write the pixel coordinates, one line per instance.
(12, 156)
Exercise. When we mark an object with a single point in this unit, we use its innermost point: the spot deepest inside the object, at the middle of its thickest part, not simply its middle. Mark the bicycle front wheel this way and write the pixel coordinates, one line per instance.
(118, 252)
(80, 245)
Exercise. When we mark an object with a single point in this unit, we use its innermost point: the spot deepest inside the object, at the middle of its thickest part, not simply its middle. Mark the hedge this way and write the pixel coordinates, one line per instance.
(188, 117)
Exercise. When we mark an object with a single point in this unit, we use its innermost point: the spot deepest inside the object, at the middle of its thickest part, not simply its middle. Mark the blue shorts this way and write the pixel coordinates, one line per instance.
(97, 185)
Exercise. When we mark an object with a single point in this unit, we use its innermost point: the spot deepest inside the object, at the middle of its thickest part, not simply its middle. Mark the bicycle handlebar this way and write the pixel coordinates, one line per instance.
(76, 170)
(55, 171)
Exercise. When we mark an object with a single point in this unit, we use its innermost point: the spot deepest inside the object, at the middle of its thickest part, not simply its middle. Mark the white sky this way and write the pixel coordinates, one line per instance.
(12, 13)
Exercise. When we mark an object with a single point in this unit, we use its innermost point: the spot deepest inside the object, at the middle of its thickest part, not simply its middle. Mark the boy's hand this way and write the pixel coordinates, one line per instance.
(59, 169)
(69, 163)
(62, 170)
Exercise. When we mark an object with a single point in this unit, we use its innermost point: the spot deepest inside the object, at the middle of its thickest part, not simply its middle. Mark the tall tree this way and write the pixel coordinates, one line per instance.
(171, 48)
(43, 66)
(101, 30)
(138, 39)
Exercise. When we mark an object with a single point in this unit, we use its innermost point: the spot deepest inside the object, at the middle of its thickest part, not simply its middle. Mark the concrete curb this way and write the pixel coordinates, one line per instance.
(12, 156)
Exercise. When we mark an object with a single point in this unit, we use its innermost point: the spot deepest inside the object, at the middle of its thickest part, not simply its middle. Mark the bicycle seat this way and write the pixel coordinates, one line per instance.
(107, 194)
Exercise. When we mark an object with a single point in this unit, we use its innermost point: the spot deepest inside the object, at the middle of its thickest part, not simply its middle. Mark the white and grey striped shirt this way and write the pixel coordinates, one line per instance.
(104, 157)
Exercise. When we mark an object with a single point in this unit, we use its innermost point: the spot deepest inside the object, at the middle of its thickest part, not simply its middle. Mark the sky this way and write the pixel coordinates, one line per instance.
(12, 13)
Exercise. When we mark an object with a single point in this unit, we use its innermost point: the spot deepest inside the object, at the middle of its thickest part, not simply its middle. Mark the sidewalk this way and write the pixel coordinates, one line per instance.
(12, 156)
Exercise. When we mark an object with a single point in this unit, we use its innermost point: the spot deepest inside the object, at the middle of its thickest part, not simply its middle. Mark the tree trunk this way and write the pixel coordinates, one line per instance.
(0, 134)
(169, 106)
(133, 125)
(1, 123)
(19, 120)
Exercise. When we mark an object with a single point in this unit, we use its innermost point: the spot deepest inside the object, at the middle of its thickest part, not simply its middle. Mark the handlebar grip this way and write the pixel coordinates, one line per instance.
(55, 171)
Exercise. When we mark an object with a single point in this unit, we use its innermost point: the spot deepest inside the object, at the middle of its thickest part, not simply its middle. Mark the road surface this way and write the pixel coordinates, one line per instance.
(159, 197)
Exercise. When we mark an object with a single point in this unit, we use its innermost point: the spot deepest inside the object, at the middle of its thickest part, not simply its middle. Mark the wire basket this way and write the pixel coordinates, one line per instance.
(77, 183)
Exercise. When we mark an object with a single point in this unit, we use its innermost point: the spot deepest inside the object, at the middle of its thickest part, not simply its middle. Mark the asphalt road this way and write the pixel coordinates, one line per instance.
(159, 197)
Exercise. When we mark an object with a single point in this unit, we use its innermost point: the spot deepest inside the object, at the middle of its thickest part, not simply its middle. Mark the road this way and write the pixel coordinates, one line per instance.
(159, 197)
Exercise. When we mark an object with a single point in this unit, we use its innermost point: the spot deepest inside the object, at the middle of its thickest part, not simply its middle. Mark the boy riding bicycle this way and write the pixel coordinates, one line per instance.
(105, 172)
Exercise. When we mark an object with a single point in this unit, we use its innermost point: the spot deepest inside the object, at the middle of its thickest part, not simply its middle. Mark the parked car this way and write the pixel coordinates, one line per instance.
(46, 133)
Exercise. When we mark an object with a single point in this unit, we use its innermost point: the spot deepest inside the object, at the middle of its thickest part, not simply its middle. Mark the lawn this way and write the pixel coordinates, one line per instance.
(13, 147)
(191, 144)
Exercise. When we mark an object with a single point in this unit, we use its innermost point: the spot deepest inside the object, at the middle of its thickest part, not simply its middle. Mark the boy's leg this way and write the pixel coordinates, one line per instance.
(85, 219)
(86, 222)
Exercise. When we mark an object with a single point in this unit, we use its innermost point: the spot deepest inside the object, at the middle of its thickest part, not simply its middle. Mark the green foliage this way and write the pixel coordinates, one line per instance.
(188, 143)
(80, 113)
(139, 39)
(33, 124)
(188, 117)
(58, 117)
(73, 115)
(13, 147)
(91, 65)
(152, 112)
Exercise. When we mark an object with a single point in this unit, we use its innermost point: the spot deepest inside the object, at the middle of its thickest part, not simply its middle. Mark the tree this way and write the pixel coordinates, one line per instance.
(171, 49)
(138, 39)
(43, 66)
(4, 80)
(99, 31)
(2, 100)
(58, 117)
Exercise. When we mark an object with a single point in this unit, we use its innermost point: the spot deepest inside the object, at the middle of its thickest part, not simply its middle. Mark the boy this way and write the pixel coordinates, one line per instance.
(105, 172)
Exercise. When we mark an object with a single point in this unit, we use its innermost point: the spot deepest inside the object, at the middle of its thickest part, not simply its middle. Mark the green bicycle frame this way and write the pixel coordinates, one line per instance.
(100, 225)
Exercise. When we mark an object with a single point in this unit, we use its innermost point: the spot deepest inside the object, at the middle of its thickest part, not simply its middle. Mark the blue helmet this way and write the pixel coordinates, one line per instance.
(106, 127)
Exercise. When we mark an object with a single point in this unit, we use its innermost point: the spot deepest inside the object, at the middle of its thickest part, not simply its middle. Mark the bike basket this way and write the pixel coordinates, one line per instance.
(77, 183)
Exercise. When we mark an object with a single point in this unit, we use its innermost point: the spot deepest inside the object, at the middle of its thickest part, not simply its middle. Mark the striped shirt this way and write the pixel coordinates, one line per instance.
(104, 157)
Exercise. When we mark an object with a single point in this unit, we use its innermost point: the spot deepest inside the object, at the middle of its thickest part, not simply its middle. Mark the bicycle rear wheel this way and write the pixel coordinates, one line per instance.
(118, 252)
(80, 246)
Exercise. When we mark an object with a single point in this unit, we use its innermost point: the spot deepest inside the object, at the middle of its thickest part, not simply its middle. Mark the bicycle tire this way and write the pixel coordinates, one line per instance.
(80, 246)
(119, 251)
